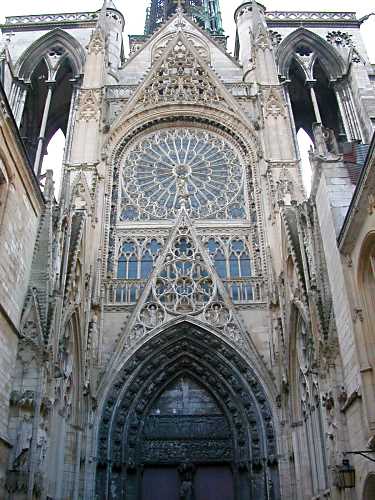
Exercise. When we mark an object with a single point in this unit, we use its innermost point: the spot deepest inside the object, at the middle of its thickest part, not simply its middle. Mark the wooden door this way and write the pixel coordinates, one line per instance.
(160, 483)
(213, 482)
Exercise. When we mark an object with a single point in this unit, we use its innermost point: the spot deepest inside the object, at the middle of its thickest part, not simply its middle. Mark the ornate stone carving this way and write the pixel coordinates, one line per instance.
(340, 39)
(217, 314)
(89, 105)
(371, 203)
(97, 42)
(275, 37)
(180, 77)
(200, 46)
(274, 105)
(151, 315)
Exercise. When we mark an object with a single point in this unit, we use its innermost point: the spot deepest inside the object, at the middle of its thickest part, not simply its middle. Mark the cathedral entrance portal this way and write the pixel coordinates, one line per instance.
(187, 419)
(186, 426)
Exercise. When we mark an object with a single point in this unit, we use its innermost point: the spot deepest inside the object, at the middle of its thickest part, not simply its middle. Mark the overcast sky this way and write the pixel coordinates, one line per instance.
(134, 12)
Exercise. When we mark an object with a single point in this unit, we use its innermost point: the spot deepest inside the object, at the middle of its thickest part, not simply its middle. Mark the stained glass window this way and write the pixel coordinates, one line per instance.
(170, 165)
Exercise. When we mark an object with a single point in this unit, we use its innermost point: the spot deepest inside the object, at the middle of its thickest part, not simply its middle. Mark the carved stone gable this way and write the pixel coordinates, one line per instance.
(183, 283)
(180, 77)
(89, 105)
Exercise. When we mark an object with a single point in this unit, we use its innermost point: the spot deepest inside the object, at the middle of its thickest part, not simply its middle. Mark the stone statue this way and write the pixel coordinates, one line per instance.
(24, 435)
(186, 490)
(186, 470)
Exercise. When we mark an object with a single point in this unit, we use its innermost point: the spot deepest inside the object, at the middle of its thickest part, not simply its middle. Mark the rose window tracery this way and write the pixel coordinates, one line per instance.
(186, 165)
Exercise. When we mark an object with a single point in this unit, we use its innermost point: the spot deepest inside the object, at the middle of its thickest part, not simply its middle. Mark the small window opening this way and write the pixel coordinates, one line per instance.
(305, 144)
(53, 159)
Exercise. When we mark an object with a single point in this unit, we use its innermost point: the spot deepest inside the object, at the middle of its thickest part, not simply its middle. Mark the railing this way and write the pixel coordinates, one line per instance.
(241, 290)
(310, 16)
(123, 291)
(52, 18)
(120, 91)
(124, 92)
(245, 290)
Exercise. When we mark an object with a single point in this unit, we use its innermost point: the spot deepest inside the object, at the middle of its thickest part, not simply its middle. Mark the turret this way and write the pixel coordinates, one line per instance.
(246, 18)
(254, 46)
(115, 25)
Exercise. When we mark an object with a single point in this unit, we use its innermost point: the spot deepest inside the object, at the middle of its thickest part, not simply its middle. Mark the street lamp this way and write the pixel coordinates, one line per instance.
(346, 475)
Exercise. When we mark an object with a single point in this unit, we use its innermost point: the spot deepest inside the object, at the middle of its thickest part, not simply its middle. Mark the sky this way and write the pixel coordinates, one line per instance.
(134, 13)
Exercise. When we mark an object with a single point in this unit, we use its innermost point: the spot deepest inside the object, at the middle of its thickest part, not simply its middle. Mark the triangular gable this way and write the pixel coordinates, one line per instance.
(181, 76)
(31, 329)
(183, 284)
(180, 22)
(81, 196)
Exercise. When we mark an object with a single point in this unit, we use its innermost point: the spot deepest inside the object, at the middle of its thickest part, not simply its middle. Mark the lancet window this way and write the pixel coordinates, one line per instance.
(233, 264)
(49, 71)
(322, 102)
(136, 260)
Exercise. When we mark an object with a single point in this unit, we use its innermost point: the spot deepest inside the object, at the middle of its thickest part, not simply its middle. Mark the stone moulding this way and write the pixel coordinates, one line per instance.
(71, 17)
(310, 16)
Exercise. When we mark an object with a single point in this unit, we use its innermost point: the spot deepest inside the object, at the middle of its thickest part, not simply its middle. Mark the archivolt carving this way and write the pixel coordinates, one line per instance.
(226, 375)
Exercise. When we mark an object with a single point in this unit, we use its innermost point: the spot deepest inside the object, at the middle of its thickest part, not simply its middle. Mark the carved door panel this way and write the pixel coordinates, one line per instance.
(213, 482)
(160, 483)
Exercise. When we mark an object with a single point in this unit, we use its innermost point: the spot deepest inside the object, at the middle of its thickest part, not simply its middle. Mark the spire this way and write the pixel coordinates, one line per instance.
(102, 18)
(259, 23)
(206, 13)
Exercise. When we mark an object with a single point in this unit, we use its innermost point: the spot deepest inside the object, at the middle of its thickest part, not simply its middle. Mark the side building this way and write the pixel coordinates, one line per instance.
(21, 206)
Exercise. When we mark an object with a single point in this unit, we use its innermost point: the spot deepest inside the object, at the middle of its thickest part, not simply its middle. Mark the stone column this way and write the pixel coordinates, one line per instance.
(314, 101)
(41, 138)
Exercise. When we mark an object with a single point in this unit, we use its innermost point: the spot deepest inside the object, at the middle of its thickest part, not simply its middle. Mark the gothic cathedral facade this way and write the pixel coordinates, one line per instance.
(181, 320)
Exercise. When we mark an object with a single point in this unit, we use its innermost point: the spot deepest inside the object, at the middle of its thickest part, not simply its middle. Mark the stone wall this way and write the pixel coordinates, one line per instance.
(20, 206)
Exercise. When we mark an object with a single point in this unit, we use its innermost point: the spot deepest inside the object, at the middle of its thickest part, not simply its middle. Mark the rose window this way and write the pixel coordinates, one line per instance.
(190, 166)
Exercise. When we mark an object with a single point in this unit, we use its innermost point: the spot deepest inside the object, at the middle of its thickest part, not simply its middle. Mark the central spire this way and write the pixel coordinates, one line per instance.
(206, 13)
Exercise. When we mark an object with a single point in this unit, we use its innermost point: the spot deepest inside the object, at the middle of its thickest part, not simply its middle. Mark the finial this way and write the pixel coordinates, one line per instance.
(102, 18)
(179, 8)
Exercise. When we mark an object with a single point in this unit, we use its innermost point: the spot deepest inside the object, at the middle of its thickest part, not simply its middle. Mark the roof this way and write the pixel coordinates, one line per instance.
(358, 208)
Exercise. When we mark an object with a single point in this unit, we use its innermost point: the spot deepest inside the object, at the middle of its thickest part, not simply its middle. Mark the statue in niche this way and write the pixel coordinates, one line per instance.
(186, 490)
(23, 443)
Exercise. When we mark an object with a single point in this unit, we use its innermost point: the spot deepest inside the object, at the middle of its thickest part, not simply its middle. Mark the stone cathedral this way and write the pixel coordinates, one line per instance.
(181, 320)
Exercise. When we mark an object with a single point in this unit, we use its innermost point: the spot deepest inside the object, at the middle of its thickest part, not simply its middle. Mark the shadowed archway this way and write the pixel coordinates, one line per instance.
(187, 408)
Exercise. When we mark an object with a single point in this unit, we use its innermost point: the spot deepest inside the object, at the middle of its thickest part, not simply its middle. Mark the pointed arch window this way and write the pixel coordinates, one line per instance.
(128, 261)
(233, 263)
(135, 263)
(149, 257)
(317, 93)
(49, 68)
